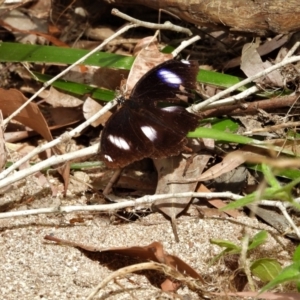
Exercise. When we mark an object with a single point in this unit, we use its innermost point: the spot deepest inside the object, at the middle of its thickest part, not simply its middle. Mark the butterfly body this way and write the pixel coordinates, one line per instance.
(141, 127)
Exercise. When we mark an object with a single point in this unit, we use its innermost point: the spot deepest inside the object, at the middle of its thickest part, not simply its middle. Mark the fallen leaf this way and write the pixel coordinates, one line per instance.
(170, 169)
(59, 99)
(31, 116)
(153, 252)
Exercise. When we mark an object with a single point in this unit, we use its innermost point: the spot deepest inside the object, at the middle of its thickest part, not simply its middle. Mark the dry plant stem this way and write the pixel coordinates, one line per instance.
(251, 108)
(166, 26)
(283, 208)
(205, 103)
(112, 181)
(292, 50)
(79, 61)
(245, 263)
(185, 44)
(66, 136)
(272, 128)
(124, 203)
(47, 163)
(127, 270)
(234, 99)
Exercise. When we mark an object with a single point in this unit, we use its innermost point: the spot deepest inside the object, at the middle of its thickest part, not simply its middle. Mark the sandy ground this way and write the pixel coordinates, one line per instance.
(32, 268)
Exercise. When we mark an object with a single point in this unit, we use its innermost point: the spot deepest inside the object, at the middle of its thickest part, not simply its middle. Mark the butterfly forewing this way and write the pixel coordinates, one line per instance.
(164, 81)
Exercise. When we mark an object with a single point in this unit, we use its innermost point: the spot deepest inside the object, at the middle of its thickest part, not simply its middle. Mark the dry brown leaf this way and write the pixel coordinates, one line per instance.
(148, 56)
(90, 107)
(153, 252)
(171, 169)
(12, 99)
(64, 116)
(59, 99)
(251, 64)
(229, 163)
(218, 203)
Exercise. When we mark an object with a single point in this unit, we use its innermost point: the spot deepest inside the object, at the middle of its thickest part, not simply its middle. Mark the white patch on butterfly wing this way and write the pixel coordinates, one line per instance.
(170, 108)
(169, 77)
(186, 62)
(119, 142)
(107, 157)
(149, 132)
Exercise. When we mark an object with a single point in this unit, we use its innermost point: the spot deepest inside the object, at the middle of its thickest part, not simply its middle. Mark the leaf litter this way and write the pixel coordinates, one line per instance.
(35, 269)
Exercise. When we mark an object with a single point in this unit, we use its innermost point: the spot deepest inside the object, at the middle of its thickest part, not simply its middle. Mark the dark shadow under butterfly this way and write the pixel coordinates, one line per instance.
(142, 127)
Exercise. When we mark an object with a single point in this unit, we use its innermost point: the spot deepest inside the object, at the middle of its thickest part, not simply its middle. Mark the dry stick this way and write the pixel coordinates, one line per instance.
(115, 206)
(205, 103)
(134, 268)
(53, 160)
(250, 108)
(166, 26)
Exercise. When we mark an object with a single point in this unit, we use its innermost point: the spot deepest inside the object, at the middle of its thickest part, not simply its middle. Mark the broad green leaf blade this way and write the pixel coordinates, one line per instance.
(202, 132)
(220, 79)
(225, 125)
(290, 273)
(296, 256)
(258, 239)
(14, 52)
(78, 88)
(266, 269)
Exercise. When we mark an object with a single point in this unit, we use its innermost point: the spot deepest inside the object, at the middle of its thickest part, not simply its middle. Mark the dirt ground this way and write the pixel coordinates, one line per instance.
(33, 268)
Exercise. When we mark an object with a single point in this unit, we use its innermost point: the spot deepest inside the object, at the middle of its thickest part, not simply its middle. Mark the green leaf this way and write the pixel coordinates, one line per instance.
(225, 125)
(14, 52)
(266, 269)
(219, 135)
(78, 88)
(296, 256)
(258, 239)
(288, 274)
(226, 244)
(240, 203)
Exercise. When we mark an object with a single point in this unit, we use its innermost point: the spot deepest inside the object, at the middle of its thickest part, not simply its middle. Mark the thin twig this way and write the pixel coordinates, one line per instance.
(166, 26)
(126, 270)
(124, 203)
(205, 103)
(51, 161)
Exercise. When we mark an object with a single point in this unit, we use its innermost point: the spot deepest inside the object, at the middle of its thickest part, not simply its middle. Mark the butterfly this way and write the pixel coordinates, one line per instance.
(143, 126)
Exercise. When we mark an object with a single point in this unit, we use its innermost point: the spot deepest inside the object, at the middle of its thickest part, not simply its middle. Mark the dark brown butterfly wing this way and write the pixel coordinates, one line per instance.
(139, 129)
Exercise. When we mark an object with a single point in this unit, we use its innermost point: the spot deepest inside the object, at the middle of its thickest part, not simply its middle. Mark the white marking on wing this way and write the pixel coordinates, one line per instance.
(170, 108)
(108, 157)
(169, 77)
(186, 62)
(149, 132)
(119, 142)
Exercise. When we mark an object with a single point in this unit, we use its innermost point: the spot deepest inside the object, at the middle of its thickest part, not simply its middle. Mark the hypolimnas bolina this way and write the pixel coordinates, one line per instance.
(141, 127)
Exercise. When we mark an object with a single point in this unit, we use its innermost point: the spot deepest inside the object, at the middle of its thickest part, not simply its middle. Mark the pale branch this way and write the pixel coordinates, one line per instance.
(185, 44)
(60, 139)
(205, 103)
(51, 161)
(122, 272)
(166, 26)
(233, 99)
(124, 203)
